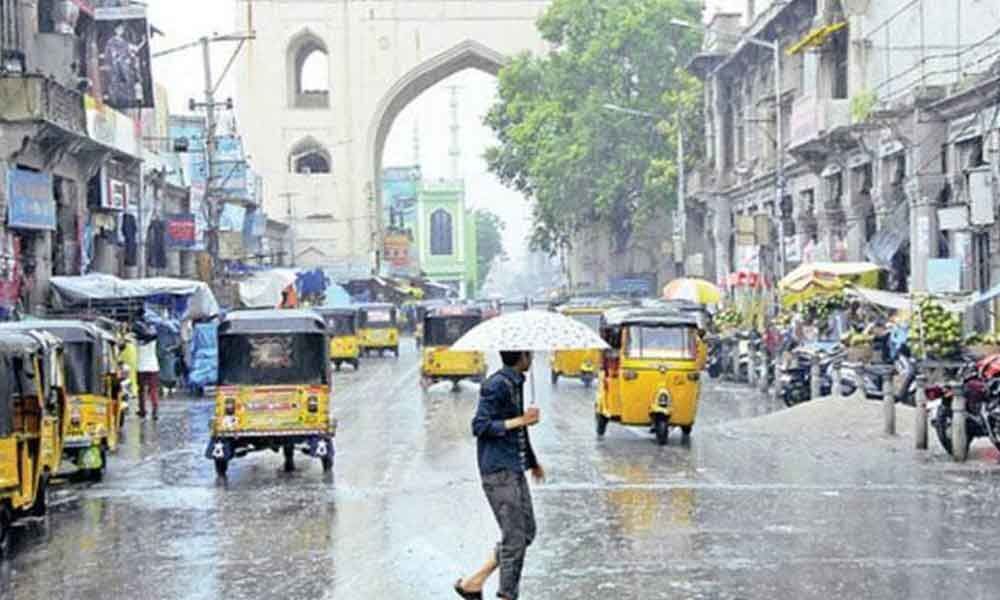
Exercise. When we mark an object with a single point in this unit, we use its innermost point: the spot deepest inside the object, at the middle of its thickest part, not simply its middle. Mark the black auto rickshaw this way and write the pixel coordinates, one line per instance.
(275, 388)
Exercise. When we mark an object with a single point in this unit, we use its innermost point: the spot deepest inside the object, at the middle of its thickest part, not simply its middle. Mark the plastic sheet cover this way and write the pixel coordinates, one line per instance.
(87, 289)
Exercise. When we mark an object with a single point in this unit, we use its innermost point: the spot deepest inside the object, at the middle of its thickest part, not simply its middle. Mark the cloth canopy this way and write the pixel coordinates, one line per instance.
(817, 279)
(264, 289)
(85, 290)
(897, 301)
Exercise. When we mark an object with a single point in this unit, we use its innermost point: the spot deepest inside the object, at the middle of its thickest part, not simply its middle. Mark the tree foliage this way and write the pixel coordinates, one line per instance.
(582, 164)
(489, 241)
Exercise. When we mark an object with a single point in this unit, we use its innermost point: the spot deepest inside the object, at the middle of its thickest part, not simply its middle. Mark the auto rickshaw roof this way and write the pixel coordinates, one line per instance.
(288, 321)
(662, 317)
(68, 330)
(337, 312)
(18, 343)
(454, 311)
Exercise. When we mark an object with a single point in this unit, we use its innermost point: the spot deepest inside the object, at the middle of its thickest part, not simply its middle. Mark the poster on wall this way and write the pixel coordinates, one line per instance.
(123, 59)
(30, 203)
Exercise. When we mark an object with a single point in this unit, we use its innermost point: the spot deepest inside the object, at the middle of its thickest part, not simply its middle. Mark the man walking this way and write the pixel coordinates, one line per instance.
(504, 452)
(149, 370)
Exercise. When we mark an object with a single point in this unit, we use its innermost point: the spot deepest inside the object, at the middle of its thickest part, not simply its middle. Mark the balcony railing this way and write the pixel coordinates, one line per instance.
(814, 117)
(35, 98)
(11, 44)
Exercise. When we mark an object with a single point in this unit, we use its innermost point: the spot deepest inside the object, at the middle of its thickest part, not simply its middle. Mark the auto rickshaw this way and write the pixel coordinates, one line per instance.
(420, 313)
(651, 375)
(342, 327)
(93, 388)
(32, 403)
(443, 327)
(378, 329)
(274, 390)
(580, 364)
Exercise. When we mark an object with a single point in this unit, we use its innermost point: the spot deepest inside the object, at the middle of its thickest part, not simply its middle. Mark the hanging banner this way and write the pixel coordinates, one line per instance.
(30, 204)
(181, 231)
(114, 194)
(123, 44)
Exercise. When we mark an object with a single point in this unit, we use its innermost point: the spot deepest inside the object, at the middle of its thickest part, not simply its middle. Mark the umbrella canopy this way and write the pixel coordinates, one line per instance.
(692, 290)
(530, 331)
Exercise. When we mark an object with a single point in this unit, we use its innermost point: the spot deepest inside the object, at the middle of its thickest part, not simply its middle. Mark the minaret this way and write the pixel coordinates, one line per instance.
(455, 151)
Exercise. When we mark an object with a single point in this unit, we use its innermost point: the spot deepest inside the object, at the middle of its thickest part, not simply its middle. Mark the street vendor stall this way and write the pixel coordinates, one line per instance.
(818, 279)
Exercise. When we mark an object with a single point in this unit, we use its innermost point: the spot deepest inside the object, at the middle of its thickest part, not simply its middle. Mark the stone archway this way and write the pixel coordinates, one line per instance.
(466, 55)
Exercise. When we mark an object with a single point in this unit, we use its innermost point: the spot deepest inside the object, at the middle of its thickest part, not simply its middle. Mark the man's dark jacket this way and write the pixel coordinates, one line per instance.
(497, 448)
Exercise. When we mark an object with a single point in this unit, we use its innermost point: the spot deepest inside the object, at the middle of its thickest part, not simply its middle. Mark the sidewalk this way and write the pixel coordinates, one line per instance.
(854, 429)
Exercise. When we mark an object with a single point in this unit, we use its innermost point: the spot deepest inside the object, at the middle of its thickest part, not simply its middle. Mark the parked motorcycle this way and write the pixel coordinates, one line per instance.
(870, 378)
(981, 388)
(796, 373)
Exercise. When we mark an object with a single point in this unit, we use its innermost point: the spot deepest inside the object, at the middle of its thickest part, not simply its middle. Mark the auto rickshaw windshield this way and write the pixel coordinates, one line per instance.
(446, 331)
(674, 343)
(82, 367)
(593, 321)
(273, 359)
(340, 325)
(8, 388)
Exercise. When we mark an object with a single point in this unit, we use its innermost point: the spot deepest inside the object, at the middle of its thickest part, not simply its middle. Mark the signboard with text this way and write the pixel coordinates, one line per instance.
(30, 204)
(181, 231)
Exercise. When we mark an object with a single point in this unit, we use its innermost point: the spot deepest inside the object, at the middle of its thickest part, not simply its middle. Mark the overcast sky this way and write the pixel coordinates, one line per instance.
(183, 21)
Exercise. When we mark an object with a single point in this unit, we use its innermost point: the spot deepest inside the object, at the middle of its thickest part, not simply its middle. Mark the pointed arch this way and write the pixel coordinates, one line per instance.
(308, 71)
(468, 54)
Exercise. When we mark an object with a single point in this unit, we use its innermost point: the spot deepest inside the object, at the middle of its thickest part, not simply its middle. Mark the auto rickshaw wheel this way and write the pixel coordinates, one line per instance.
(395, 351)
(662, 429)
(221, 466)
(5, 529)
(41, 505)
(686, 430)
(602, 424)
(289, 451)
(357, 364)
(327, 462)
(555, 377)
(588, 381)
(336, 364)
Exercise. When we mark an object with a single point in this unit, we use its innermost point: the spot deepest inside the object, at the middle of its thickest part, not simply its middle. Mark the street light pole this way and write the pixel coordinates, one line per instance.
(775, 48)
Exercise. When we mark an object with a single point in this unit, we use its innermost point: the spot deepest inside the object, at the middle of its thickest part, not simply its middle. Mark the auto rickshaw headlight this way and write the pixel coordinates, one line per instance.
(230, 406)
(695, 376)
(663, 399)
(630, 375)
(74, 417)
(313, 404)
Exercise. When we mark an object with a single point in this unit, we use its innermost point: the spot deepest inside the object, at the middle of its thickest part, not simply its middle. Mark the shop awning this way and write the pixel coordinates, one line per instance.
(85, 290)
(897, 301)
(815, 38)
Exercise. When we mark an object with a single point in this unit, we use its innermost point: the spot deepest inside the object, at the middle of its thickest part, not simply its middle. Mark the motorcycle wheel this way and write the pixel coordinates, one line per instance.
(942, 426)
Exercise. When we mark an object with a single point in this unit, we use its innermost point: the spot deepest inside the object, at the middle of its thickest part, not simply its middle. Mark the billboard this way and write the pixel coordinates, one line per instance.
(399, 198)
(123, 59)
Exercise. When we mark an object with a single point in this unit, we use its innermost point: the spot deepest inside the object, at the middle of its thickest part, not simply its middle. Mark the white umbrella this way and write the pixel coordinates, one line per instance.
(530, 331)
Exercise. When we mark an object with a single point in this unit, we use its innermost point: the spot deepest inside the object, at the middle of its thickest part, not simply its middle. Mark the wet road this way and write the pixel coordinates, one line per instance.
(726, 516)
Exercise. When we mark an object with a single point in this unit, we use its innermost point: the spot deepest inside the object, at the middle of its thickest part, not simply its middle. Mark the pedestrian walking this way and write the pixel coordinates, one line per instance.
(149, 369)
(504, 454)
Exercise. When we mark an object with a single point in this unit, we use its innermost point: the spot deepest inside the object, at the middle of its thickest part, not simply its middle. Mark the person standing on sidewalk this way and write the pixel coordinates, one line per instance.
(504, 454)
(149, 371)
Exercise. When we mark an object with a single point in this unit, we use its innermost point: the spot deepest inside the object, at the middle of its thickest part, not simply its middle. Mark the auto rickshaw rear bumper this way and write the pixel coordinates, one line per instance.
(317, 444)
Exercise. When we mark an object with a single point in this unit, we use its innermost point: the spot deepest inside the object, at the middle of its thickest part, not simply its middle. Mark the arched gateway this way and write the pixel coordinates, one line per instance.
(381, 55)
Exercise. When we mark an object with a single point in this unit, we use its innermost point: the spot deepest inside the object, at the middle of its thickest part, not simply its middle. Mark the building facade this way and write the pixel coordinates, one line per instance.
(882, 122)
(446, 236)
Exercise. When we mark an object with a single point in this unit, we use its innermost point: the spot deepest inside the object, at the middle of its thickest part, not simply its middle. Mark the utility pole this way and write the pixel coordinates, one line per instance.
(209, 104)
(681, 213)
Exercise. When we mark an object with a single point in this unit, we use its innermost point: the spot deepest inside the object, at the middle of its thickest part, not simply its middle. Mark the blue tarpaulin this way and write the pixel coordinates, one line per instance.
(204, 369)
(336, 297)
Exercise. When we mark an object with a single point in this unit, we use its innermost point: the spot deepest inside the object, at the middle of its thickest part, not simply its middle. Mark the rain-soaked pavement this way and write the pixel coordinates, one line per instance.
(403, 516)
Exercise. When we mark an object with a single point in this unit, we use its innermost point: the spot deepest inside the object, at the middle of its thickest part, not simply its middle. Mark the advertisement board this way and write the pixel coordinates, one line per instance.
(30, 204)
(123, 59)
(114, 194)
(181, 231)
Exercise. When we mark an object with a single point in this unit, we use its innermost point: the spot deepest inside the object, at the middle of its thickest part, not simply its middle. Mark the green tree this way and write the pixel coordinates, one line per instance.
(581, 164)
(489, 241)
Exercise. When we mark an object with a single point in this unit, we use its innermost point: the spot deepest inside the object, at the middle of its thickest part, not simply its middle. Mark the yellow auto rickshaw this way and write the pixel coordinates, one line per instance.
(581, 364)
(32, 403)
(342, 327)
(443, 327)
(651, 375)
(378, 329)
(94, 405)
(275, 388)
